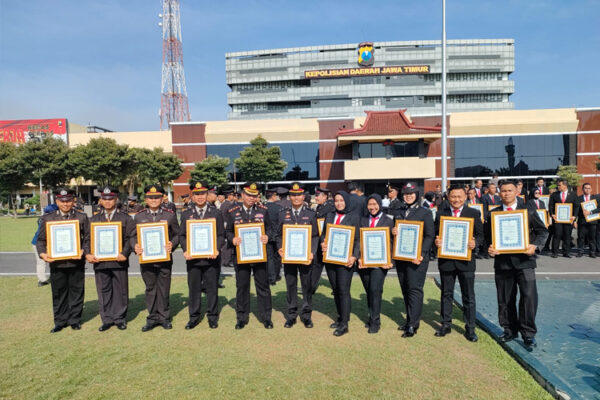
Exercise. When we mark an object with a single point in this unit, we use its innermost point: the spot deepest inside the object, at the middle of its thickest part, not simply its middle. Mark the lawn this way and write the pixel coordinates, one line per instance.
(16, 234)
(296, 363)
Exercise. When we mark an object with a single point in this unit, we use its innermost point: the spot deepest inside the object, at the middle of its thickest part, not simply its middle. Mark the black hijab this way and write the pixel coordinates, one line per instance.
(346, 197)
(377, 198)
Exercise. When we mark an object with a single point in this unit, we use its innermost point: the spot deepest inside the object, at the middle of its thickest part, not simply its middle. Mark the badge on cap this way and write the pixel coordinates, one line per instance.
(253, 186)
(295, 187)
(153, 189)
(198, 185)
(106, 191)
(63, 192)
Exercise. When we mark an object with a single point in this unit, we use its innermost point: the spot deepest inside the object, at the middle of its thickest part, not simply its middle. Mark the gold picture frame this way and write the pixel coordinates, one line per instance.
(546, 219)
(154, 255)
(524, 231)
(189, 228)
(306, 251)
(93, 241)
(52, 249)
(363, 250)
(397, 240)
(444, 251)
(261, 249)
(557, 206)
(587, 217)
(333, 259)
(320, 224)
(478, 207)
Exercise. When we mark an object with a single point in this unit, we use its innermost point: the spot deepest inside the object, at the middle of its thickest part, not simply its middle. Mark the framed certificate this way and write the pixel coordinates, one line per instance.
(339, 239)
(63, 239)
(590, 206)
(375, 247)
(296, 244)
(543, 214)
(478, 207)
(251, 250)
(563, 213)
(522, 196)
(492, 206)
(545, 198)
(320, 224)
(153, 238)
(510, 231)
(201, 237)
(407, 244)
(106, 240)
(455, 233)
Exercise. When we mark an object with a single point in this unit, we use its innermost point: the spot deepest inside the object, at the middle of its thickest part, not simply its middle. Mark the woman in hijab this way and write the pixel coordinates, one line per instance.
(412, 274)
(373, 278)
(340, 276)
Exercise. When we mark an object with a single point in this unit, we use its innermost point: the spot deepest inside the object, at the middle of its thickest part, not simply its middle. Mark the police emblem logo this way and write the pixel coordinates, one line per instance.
(106, 191)
(409, 186)
(153, 189)
(198, 185)
(63, 192)
(296, 187)
(366, 55)
(253, 186)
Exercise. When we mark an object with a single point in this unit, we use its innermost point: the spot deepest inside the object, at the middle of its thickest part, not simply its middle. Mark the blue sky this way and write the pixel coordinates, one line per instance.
(99, 62)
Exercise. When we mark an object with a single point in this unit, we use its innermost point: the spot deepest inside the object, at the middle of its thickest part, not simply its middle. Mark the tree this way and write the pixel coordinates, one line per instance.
(101, 160)
(47, 161)
(569, 173)
(164, 167)
(13, 171)
(260, 163)
(139, 161)
(213, 170)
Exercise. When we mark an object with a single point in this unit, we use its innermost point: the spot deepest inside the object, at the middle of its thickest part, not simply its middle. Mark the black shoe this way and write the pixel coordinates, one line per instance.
(192, 324)
(76, 326)
(566, 255)
(307, 323)
(373, 329)
(104, 327)
(580, 254)
(402, 327)
(341, 330)
(269, 325)
(213, 324)
(592, 255)
(443, 331)
(554, 255)
(272, 283)
(530, 343)
(471, 336)
(122, 325)
(43, 283)
(148, 327)
(289, 323)
(506, 337)
(57, 328)
(221, 286)
(409, 332)
(167, 325)
(335, 325)
(240, 325)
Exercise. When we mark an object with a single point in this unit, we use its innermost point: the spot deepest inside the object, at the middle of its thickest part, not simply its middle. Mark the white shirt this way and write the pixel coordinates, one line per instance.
(513, 206)
(459, 211)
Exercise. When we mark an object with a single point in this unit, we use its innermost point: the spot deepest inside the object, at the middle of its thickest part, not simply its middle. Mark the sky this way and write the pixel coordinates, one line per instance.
(99, 62)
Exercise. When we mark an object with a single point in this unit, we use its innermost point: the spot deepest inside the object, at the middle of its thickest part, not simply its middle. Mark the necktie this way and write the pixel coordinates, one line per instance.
(339, 219)
(587, 198)
(201, 213)
(562, 196)
(296, 215)
(478, 194)
(373, 222)
(492, 197)
(456, 212)
(66, 216)
(537, 203)
(508, 208)
(107, 217)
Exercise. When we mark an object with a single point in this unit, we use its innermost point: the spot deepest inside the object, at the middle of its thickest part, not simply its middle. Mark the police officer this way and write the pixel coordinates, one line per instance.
(273, 257)
(250, 212)
(298, 214)
(132, 206)
(395, 203)
(202, 272)
(187, 204)
(324, 207)
(168, 205)
(111, 277)
(66, 276)
(157, 275)
(226, 250)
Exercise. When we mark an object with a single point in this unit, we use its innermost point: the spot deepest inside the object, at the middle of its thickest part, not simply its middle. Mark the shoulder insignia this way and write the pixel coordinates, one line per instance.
(261, 206)
(233, 209)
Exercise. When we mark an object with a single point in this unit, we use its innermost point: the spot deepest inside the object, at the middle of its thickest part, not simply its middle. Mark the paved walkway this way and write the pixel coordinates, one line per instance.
(567, 357)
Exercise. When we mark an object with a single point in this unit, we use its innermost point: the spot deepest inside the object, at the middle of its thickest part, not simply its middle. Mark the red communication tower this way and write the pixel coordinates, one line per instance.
(173, 102)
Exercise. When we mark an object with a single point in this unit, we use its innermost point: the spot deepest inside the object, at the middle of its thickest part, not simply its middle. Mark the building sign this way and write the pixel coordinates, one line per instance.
(368, 71)
(366, 54)
(24, 130)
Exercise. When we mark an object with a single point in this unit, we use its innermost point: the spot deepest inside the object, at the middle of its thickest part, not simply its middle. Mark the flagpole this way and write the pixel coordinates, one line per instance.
(444, 127)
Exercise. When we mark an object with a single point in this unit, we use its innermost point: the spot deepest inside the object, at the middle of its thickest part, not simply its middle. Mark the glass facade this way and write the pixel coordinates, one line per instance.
(302, 158)
(510, 155)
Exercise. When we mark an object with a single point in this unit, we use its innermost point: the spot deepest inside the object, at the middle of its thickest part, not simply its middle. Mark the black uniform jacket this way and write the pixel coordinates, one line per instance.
(394, 207)
(211, 212)
(237, 215)
(358, 205)
(419, 213)
(537, 235)
(581, 217)
(555, 198)
(325, 208)
(161, 215)
(448, 265)
(385, 220)
(348, 220)
(532, 205)
(127, 230)
(83, 234)
(306, 216)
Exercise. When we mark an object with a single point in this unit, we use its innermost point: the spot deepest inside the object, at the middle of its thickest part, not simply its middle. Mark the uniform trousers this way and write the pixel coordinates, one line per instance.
(562, 232)
(412, 278)
(507, 283)
(158, 290)
(341, 278)
(40, 266)
(226, 254)
(112, 286)
(273, 262)
(263, 291)
(466, 279)
(67, 294)
(586, 231)
(372, 280)
(207, 277)
(291, 282)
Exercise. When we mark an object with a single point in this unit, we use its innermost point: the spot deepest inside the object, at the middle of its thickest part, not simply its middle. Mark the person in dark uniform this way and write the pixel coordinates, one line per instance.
(324, 207)
(479, 192)
(450, 269)
(340, 276)
(250, 212)
(157, 275)
(97, 208)
(586, 230)
(358, 201)
(168, 205)
(132, 206)
(488, 200)
(187, 203)
(283, 201)
(539, 183)
(66, 276)
(298, 214)
(202, 272)
(534, 202)
(112, 283)
(373, 277)
(562, 231)
(227, 250)
(412, 274)
(515, 273)
(472, 197)
(273, 258)
(395, 202)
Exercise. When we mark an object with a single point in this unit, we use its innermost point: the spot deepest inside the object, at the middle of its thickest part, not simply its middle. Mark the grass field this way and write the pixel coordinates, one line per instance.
(295, 363)
(16, 234)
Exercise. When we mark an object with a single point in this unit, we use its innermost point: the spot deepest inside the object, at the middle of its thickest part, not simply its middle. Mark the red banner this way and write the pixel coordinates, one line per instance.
(24, 130)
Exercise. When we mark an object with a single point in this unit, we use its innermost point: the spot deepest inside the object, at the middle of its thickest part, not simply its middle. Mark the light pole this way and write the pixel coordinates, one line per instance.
(444, 127)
